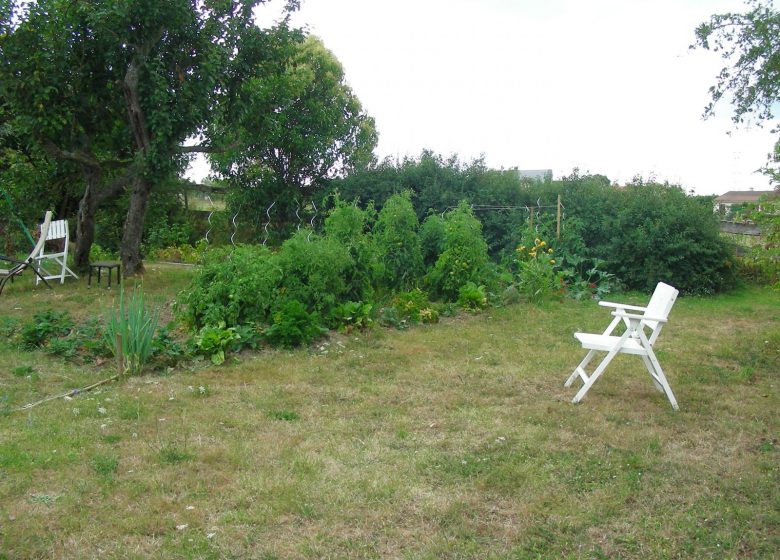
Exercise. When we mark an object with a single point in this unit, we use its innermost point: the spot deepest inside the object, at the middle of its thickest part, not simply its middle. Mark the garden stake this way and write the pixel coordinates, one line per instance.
(120, 358)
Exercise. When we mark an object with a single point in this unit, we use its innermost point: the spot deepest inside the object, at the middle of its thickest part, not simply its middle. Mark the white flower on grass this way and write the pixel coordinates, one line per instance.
(102, 410)
(202, 390)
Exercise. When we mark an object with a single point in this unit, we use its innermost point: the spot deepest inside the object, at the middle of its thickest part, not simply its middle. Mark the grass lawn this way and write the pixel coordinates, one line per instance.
(455, 440)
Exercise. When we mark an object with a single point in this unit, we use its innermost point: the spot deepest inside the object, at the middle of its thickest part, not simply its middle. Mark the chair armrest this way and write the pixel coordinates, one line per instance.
(638, 317)
(622, 306)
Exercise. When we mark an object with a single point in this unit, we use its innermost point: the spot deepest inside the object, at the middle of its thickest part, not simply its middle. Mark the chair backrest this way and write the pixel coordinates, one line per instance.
(42, 239)
(57, 230)
(660, 305)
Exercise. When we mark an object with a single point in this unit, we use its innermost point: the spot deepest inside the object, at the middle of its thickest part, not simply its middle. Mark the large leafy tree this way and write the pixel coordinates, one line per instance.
(299, 126)
(750, 44)
(118, 86)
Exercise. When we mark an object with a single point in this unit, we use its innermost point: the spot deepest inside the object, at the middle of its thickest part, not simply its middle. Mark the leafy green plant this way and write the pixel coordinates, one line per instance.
(472, 297)
(232, 287)
(398, 243)
(351, 315)
(582, 282)
(293, 326)
(83, 343)
(537, 279)
(9, 326)
(45, 325)
(349, 224)
(166, 350)
(414, 307)
(213, 341)
(464, 258)
(130, 331)
(315, 271)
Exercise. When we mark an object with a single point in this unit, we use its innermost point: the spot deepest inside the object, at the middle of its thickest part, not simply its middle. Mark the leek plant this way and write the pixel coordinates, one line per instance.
(130, 331)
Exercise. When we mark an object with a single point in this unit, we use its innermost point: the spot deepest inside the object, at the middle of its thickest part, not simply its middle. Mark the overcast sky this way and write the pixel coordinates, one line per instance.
(609, 86)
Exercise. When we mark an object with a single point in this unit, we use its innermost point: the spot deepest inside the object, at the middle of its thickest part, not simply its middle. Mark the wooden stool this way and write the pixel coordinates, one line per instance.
(101, 265)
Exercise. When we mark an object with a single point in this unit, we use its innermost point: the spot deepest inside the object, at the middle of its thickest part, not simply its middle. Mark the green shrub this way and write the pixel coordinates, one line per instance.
(431, 234)
(465, 256)
(314, 271)
(348, 224)
(293, 326)
(398, 244)
(660, 234)
(234, 286)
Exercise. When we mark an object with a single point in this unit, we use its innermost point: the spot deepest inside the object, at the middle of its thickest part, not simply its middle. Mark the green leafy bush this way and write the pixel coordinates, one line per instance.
(431, 235)
(398, 244)
(464, 258)
(234, 286)
(314, 271)
(349, 224)
(660, 234)
(293, 326)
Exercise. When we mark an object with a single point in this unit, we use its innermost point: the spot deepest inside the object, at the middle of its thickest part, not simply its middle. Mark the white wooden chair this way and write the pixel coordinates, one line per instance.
(7, 274)
(633, 341)
(58, 232)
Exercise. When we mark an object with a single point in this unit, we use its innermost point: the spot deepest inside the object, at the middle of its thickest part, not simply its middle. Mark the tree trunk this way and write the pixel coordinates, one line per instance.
(130, 249)
(85, 220)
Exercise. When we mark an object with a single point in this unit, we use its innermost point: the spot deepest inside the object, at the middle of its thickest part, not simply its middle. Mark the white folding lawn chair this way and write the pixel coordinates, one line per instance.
(58, 232)
(633, 341)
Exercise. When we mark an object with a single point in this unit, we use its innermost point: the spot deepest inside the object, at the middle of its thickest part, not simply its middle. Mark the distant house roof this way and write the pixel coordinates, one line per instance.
(535, 174)
(737, 197)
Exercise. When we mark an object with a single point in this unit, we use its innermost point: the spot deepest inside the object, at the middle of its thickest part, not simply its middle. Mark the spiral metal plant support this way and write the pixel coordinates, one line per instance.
(235, 230)
(311, 222)
(211, 213)
(297, 215)
(267, 223)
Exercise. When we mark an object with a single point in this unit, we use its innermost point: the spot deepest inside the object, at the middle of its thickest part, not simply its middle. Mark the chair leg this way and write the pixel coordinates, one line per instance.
(653, 374)
(594, 376)
(659, 374)
(579, 371)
